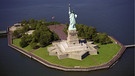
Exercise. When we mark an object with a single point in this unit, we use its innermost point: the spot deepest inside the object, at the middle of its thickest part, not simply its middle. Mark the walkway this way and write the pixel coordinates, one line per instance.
(58, 29)
(130, 45)
(3, 32)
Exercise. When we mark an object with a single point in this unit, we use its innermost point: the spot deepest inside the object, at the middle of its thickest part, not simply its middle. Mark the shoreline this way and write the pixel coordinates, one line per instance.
(51, 65)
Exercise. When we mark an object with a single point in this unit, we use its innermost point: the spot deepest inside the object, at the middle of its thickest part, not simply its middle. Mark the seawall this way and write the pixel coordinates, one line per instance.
(48, 64)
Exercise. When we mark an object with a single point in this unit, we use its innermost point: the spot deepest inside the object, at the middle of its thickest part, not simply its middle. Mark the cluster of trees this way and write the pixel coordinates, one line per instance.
(41, 36)
(86, 32)
(90, 33)
(102, 38)
(32, 24)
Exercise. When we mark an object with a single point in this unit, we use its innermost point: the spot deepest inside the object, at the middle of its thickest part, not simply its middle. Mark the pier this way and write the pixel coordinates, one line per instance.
(3, 33)
(128, 46)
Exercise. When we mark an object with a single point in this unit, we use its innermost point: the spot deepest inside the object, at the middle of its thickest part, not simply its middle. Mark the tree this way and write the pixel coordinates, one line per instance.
(45, 38)
(102, 38)
(23, 43)
(18, 33)
(31, 21)
(91, 32)
(51, 23)
(66, 28)
(42, 35)
(36, 35)
(33, 45)
(25, 28)
(80, 29)
(55, 36)
(25, 40)
(24, 22)
(43, 28)
(85, 31)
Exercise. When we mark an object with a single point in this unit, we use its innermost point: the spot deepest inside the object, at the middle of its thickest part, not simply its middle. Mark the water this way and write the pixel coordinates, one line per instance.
(115, 17)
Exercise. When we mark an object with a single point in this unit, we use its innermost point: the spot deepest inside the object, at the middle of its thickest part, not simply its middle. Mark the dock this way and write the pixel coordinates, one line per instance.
(128, 46)
(3, 33)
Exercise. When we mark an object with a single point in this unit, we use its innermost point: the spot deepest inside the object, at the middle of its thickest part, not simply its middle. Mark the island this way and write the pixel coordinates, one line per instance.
(68, 47)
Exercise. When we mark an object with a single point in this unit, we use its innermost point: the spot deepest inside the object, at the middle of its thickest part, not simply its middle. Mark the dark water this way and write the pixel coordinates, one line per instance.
(116, 17)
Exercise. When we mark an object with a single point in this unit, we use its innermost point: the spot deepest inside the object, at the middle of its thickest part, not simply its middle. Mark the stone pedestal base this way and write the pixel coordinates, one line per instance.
(78, 51)
(72, 37)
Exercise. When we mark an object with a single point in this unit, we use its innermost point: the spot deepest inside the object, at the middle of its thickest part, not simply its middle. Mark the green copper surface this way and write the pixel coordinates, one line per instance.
(72, 20)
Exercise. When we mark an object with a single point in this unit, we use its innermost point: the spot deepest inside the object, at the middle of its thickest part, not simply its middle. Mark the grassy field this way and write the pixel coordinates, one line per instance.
(106, 53)
(16, 43)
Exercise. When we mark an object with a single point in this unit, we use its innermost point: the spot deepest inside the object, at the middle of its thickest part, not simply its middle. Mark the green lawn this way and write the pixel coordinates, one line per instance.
(16, 43)
(106, 53)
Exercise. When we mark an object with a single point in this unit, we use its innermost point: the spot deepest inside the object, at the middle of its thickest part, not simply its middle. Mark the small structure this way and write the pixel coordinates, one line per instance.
(72, 48)
(30, 32)
(15, 26)
(78, 51)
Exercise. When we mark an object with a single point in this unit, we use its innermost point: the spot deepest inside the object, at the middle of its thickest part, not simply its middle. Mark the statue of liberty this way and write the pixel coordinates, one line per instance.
(72, 20)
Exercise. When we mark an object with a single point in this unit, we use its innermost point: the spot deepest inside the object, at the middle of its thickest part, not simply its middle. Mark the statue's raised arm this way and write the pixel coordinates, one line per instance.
(72, 20)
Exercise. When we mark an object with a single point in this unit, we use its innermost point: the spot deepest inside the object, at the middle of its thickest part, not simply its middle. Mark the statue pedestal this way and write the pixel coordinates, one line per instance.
(72, 37)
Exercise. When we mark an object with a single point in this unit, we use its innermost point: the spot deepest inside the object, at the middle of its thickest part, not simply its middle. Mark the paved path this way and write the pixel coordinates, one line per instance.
(58, 29)
(33, 50)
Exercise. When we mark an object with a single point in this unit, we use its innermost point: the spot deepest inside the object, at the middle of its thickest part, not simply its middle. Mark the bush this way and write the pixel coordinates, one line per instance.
(85, 31)
(25, 40)
(34, 45)
(102, 38)
(23, 44)
(55, 36)
(17, 33)
(45, 38)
